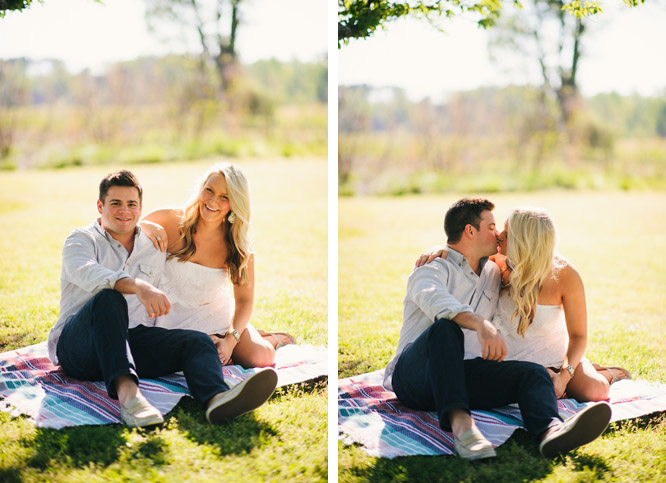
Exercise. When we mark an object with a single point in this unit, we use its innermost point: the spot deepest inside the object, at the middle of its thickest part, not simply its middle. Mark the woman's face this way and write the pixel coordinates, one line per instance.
(502, 238)
(214, 203)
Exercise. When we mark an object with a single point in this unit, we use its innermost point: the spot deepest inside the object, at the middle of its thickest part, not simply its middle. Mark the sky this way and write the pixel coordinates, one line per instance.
(624, 52)
(88, 34)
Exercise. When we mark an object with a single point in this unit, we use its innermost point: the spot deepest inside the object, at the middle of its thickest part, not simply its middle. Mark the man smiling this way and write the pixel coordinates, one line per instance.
(109, 273)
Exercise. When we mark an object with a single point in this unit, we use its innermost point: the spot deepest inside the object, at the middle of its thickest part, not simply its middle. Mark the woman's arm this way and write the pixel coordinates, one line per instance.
(244, 298)
(244, 301)
(575, 314)
(165, 224)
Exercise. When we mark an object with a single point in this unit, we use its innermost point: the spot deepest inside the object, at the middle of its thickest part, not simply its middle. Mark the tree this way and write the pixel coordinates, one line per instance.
(359, 19)
(543, 31)
(209, 19)
(6, 5)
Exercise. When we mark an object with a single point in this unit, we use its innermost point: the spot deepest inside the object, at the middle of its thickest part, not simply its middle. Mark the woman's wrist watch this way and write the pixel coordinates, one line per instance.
(236, 335)
(571, 369)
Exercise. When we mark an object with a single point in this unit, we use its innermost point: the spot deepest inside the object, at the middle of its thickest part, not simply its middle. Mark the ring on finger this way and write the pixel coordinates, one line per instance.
(158, 238)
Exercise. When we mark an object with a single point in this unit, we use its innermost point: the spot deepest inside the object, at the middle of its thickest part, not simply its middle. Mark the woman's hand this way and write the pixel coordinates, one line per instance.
(560, 381)
(155, 233)
(500, 260)
(437, 251)
(225, 347)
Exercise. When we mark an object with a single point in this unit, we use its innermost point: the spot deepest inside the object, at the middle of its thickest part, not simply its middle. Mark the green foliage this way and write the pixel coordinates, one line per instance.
(379, 240)
(6, 5)
(585, 9)
(359, 19)
(158, 109)
(496, 139)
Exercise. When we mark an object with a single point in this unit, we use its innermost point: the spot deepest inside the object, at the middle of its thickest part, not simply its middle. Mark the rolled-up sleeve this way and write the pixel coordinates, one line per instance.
(81, 267)
(427, 288)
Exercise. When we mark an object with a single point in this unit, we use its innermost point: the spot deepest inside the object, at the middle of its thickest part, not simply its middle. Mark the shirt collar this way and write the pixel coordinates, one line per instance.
(460, 259)
(98, 226)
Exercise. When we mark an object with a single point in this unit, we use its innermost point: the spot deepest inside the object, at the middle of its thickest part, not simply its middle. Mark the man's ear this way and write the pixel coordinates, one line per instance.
(99, 206)
(469, 230)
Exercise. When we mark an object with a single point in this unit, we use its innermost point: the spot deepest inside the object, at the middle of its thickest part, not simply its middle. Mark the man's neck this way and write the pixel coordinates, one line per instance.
(127, 239)
(466, 252)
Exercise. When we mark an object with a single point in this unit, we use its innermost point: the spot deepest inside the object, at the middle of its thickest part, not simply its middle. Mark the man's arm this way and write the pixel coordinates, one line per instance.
(153, 299)
(81, 268)
(493, 346)
(427, 289)
(80, 265)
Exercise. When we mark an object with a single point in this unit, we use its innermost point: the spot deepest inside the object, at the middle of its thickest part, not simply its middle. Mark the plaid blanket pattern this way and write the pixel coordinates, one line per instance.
(31, 385)
(374, 418)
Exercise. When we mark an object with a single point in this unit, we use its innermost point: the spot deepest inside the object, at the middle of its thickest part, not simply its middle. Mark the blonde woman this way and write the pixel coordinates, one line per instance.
(209, 256)
(541, 312)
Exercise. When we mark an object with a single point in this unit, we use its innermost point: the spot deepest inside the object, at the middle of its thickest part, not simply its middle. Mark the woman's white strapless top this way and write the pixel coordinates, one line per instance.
(200, 297)
(546, 339)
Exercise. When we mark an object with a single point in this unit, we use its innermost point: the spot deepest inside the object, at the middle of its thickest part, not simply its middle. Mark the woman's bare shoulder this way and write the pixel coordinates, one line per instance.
(167, 217)
(566, 273)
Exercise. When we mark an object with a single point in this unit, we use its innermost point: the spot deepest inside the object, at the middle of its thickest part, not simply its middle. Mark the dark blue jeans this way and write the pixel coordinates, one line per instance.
(96, 344)
(431, 375)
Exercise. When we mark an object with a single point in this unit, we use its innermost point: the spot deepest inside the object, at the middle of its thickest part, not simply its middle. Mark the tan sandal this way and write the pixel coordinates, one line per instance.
(612, 370)
(278, 342)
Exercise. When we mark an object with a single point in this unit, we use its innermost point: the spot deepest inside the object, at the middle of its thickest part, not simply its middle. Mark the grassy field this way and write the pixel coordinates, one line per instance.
(283, 440)
(615, 240)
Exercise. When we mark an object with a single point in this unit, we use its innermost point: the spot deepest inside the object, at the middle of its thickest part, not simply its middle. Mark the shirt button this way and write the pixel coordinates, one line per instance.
(118, 245)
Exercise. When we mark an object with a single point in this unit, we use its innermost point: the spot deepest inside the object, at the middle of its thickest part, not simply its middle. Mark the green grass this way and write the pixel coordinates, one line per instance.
(284, 440)
(615, 239)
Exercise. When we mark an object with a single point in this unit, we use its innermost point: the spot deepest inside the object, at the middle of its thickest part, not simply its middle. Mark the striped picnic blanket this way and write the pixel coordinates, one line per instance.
(31, 385)
(373, 417)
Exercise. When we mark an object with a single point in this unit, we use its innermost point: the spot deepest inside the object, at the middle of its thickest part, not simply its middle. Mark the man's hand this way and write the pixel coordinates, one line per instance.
(153, 299)
(493, 346)
(560, 381)
(437, 251)
(225, 347)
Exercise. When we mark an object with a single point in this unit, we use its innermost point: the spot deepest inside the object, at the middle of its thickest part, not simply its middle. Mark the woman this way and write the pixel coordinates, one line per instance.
(209, 250)
(541, 311)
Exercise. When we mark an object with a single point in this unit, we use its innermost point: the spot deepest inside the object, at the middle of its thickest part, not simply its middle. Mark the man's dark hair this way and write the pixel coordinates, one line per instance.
(119, 178)
(466, 211)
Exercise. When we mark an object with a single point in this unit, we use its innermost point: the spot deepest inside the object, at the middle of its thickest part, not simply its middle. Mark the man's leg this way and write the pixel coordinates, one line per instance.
(430, 373)
(159, 352)
(492, 384)
(93, 344)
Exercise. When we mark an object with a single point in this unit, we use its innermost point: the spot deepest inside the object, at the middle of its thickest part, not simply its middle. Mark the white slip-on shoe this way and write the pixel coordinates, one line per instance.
(140, 413)
(584, 427)
(244, 397)
(472, 445)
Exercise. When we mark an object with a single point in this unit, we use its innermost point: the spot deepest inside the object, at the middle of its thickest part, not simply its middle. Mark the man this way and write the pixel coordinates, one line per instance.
(109, 272)
(446, 321)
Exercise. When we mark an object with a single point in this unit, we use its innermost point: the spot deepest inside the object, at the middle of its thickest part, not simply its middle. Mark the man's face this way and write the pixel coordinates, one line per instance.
(120, 210)
(487, 235)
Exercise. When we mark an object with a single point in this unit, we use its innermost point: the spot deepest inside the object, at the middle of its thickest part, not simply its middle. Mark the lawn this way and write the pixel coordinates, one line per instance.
(615, 239)
(283, 440)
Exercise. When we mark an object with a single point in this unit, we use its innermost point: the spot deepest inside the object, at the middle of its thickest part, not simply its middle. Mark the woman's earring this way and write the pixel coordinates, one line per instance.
(231, 217)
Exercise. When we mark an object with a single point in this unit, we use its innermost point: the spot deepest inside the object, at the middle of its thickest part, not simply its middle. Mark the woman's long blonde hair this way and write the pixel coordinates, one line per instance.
(237, 234)
(532, 238)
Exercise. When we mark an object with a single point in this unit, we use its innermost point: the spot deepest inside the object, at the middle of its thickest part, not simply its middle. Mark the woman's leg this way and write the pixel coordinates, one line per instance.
(253, 350)
(587, 384)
